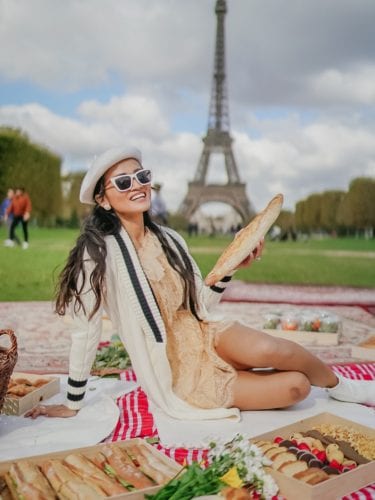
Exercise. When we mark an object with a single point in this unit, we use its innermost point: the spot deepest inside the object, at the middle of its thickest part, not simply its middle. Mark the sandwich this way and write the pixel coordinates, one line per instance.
(116, 462)
(26, 482)
(5, 493)
(86, 470)
(151, 465)
(66, 484)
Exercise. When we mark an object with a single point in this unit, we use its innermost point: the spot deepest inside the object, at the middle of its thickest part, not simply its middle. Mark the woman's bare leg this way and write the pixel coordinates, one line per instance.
(245, 348)
(269, 390)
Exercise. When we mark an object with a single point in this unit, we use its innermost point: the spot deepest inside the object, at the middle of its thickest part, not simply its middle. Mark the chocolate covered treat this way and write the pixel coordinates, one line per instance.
(349, 448)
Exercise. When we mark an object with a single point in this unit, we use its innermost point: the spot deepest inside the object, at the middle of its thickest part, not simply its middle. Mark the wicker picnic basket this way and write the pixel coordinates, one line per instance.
(8, 359)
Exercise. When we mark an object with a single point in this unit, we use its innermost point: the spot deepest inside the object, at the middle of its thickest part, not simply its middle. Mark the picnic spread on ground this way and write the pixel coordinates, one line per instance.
(317, 447)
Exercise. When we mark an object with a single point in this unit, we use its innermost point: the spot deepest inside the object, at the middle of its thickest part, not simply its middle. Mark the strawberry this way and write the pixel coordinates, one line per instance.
(321, 455)
(335, 464)
(304, 446)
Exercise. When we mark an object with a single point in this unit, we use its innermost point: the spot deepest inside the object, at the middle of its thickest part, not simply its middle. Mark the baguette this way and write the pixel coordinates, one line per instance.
(124, 468)
(67, 485)
(246, 241)
(26, 482)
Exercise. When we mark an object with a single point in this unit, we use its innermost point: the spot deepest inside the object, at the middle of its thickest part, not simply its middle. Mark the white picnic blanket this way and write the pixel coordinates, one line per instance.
(197, 434)
(21, 437)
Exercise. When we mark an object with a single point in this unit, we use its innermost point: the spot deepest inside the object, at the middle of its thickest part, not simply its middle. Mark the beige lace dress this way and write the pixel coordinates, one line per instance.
(200, 376)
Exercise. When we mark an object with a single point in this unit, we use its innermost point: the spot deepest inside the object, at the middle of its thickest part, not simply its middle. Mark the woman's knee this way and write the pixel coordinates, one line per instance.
(299, 387)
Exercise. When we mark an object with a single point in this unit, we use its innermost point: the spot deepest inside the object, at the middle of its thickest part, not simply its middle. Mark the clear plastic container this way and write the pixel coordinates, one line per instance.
(310, 321)
(271, 321)
(290, 322)
(330, 323)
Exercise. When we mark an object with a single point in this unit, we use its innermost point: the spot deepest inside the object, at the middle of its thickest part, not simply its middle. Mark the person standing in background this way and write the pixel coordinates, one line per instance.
(20, 209)
(158, 206)
(4, 206)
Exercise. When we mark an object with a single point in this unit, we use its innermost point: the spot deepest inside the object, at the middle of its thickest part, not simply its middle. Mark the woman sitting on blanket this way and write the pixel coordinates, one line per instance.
(190, 364)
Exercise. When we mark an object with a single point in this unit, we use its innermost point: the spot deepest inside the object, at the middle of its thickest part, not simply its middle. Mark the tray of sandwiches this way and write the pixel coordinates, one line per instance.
(125, 469)
(324, 456)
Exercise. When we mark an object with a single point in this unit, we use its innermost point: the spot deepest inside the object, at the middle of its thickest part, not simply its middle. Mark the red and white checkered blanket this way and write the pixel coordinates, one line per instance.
(136, 421)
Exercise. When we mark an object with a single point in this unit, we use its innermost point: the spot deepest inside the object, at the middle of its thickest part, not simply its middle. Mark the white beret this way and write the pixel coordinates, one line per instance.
(99, 167)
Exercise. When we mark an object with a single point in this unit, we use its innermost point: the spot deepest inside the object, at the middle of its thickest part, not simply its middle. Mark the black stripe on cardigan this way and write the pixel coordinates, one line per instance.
(138, 289)
(218, 289)
(226, 279)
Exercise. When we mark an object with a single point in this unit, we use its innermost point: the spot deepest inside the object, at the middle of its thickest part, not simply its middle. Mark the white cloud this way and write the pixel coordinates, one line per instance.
(275, 56)
(311, 158)
(318, 157)
(356, 85)
(300, 98)
(131, 119)
(70, 44)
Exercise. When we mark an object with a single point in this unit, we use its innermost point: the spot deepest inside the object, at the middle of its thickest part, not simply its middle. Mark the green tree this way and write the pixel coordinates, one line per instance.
(330, 204)
(300, 218)
(286, 221)
(28, 165)
(74, 210)
(312, 214)
(360, 203)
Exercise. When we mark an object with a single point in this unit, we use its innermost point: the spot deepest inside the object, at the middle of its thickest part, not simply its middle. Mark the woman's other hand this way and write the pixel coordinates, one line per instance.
(255, 255)
(61, 411)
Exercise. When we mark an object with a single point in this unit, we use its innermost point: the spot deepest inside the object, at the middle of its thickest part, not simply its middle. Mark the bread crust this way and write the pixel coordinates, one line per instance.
(245, 241)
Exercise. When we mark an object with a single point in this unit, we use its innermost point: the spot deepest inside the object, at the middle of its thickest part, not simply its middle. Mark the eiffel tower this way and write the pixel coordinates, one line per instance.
(218, 140)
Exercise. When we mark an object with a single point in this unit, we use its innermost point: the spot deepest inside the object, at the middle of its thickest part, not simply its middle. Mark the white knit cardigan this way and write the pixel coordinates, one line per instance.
(131, 306)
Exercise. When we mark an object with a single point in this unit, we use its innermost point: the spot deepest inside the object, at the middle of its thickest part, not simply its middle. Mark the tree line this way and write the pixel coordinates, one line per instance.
(349, 212)
(55, 197)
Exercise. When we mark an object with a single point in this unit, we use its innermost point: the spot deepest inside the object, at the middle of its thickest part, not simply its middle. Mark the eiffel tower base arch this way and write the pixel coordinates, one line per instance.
(233, 194)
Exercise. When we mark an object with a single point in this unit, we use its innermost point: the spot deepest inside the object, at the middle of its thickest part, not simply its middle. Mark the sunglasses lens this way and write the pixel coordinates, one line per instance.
(144, 176)
(123, 182)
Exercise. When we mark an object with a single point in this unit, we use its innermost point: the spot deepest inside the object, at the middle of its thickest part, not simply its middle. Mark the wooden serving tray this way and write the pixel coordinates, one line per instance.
(18, 406)
(308, 338)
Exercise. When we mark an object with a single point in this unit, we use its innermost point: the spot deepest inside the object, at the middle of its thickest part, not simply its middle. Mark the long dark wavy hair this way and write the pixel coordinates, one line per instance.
(101, 223)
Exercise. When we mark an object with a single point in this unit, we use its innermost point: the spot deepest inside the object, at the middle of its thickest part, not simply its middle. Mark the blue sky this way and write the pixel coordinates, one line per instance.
(82, 75)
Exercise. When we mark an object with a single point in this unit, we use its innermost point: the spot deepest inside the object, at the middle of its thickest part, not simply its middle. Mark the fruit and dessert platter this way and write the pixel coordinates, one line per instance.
(318, 454)
(113, 470)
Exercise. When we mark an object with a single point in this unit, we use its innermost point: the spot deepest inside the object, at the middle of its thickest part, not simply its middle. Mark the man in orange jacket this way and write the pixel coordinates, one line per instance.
(20, 207)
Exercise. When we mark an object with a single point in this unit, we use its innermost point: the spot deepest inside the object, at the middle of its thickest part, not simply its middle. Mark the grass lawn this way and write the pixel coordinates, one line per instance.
(31, 274)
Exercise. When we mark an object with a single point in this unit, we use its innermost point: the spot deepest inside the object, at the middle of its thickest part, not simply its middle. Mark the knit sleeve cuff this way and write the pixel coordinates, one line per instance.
(221, 285)
(76, 393)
